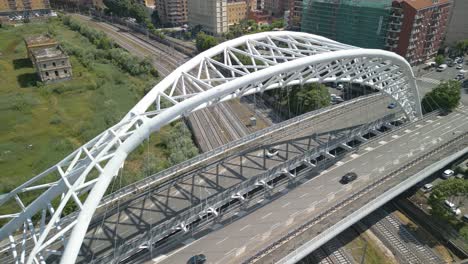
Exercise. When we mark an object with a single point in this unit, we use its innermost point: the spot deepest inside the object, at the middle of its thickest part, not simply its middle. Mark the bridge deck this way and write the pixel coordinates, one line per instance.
(239, 240)
(153, 208)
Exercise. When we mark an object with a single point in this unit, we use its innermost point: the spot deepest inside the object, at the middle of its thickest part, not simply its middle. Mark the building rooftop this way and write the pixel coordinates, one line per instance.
(39, 40)
(47, 53)
(421, 4)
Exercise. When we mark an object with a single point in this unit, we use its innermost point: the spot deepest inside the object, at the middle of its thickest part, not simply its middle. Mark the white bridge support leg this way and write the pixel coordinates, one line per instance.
(213, 76)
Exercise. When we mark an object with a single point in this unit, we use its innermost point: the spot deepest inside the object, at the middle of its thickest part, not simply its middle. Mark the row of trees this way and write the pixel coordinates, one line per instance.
(205, 41)
(129, 8)
(107, 50)
(250, 26)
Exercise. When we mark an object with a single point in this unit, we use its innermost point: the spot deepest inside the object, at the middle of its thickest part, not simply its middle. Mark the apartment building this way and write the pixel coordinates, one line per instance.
(275, 8)
(417, 28)
(211, 15)
(295, 14)
(237, 10)
(173, 12)
(458, 26)
(361, 23)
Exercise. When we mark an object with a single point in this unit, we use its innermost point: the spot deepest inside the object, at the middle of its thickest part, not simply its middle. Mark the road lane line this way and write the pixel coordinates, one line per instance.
(221, 241)
(286, 204)
(244, 227)
(267, 215)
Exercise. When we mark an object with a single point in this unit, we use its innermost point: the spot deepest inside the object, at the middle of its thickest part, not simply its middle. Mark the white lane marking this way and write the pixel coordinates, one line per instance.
(415, 134)
(355, 156)
(436, 124)
(323, 172)
(378, 156)
(304, 195)
(230, 251)
(429, 121)
(289, 221)
(252, 238)
(449, 127)
(296, 213)
(408, 131)
(159, 258)
(244, 228)
(274, 226)
(319, 187)
(364, 163)
(222, 240)
(267, 215)
(369, 149)
(395, 136)
(286, 204)
(383, 142)
(339, 163)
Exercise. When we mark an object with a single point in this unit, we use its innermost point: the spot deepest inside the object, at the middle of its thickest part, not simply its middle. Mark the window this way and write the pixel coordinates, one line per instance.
(63, 62)
(53, 64)
(47, 74)
(56, 73)
(65, 71)
(44, 65)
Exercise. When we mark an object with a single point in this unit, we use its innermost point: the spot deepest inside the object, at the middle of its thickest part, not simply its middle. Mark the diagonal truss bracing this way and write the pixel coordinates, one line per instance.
(243, 66)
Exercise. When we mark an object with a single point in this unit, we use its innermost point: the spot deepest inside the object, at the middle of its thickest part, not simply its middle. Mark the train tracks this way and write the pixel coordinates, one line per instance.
(330, 253)
(396, 236)
(212, 127)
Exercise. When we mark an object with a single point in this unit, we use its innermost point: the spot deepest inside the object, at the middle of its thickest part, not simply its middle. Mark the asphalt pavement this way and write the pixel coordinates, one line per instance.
(238, 240)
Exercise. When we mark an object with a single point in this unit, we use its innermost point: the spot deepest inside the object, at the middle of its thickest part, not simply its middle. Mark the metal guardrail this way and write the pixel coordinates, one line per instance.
(216, 201)
(350, 199)
(149, 181)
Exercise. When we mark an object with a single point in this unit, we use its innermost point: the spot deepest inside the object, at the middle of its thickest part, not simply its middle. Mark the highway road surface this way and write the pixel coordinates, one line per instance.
(239, 239)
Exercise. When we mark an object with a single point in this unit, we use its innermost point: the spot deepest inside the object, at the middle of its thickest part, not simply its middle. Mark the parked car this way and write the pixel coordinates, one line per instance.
(271, 152)
(391, 106)
(442, 67)
(459, 67)
(348, 177)
(449, 204)
(447, 174)
(465, 218)
(340, 87)
(427, 187)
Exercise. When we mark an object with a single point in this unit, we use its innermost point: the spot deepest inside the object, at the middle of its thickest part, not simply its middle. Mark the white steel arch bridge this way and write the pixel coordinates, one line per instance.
(235, 68)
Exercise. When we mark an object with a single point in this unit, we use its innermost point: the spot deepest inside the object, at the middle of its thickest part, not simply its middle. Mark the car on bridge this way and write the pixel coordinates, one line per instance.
(271, 152)
(391, 106)
(427, 187)
(348, 177)
(197, 259)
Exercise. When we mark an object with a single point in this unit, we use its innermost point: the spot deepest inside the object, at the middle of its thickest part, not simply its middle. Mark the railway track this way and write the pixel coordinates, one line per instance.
(393, 233)
(209, 131)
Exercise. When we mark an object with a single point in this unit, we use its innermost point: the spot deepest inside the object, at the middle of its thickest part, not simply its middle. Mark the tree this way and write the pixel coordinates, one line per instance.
(205, 42)
(453, 190)
(445, 96)
(306, 98)
(439, 59)
(155, 19)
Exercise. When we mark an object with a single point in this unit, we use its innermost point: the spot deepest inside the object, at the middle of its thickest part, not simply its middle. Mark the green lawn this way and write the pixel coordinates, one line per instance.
(41, 124)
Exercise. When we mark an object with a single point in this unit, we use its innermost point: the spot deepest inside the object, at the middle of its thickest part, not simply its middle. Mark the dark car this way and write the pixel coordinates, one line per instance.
(197, 259)
(348, 177)
(391, 106)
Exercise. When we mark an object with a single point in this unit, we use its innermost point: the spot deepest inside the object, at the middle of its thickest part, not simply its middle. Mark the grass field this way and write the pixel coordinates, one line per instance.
(40, 124)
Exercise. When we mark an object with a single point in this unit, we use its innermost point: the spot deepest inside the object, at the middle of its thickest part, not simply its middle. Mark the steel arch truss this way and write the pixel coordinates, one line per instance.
(247, 65)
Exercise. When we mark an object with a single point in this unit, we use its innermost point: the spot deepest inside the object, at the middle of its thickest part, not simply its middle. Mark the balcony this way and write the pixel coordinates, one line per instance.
(394, 29)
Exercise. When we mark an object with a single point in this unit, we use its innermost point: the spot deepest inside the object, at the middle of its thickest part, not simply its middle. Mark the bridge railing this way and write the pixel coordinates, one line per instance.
(149, 181)
(354, 196)
(216, 201)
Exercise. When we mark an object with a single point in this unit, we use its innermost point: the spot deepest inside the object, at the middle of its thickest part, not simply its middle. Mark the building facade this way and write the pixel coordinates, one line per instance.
(237, 10)
(458, 26)
(418, 28)
(50, 60)
(295, 14)
(25, 7)
(361, 23)
(275, 8)
(173, 12)
(211, 15)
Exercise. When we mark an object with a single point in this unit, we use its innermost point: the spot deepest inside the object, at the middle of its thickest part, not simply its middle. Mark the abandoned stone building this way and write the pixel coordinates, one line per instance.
(50, 60)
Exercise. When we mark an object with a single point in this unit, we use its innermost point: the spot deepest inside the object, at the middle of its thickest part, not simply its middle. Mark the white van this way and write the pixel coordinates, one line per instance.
(442, 67)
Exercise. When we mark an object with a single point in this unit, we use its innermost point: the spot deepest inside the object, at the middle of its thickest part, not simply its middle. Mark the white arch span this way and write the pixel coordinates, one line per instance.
(246, 65)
